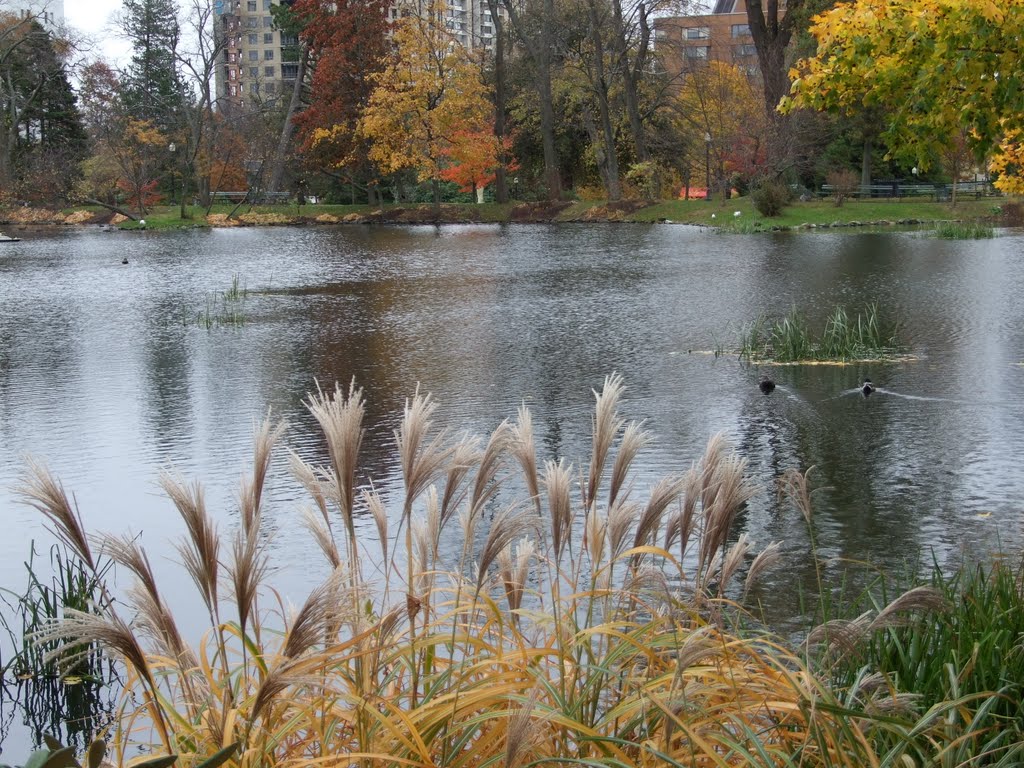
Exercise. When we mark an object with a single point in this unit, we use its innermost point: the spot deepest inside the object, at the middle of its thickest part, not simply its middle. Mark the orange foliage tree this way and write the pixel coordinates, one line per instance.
(474, 156)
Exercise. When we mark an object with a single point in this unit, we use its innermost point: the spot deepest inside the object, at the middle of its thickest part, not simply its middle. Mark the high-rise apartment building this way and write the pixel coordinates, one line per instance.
(50, 13)
(254, 68)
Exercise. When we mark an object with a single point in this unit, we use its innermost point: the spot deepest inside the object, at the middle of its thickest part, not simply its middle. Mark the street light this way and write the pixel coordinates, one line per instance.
(707, 165)
(172, 148)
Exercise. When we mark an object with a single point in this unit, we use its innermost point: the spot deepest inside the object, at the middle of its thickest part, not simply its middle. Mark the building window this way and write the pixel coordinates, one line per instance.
(232, 73)
(252, 22)
(268, 71)
(696, 33)
(253, 39)
(266, 5)
(254, 55)
(251, 6)
(289, 71)
(696, 52)
(268, 22)
(268, 38)
(234, 90)
(744, 51)
(270, 87)
(254, 72)
(741, 30)
(268, 54)
(254, 87)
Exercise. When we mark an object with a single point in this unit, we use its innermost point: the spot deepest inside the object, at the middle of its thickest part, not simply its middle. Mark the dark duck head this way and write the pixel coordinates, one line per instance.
(766, 385)
(867, 387)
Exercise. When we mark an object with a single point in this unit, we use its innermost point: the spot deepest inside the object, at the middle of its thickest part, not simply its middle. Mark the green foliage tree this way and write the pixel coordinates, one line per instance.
(941, 69)
(153, 87)
(42, 140)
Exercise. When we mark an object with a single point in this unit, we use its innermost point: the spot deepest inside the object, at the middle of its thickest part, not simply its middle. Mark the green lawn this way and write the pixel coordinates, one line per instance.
(818, 212)
(699, 212)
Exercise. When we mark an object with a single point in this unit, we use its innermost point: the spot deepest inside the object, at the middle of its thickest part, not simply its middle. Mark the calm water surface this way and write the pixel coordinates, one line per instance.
(105, 375)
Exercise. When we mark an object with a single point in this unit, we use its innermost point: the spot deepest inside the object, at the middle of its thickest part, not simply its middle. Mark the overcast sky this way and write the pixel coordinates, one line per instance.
(95, 19)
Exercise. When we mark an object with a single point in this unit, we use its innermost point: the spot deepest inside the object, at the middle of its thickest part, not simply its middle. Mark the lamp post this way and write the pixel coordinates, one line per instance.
(707, 165)
(172, 148)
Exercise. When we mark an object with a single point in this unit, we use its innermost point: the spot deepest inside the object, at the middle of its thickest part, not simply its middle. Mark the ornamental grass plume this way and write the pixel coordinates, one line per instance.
(586, 638)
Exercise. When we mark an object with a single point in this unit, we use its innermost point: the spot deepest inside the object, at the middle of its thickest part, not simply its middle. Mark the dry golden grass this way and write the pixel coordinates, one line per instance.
(538, 646)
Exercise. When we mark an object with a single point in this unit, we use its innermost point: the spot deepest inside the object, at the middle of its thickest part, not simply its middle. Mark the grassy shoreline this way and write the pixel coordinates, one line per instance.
(797, 216)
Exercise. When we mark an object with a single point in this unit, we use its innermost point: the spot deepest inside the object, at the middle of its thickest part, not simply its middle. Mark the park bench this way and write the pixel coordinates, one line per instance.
(893, 190)
(255, 197)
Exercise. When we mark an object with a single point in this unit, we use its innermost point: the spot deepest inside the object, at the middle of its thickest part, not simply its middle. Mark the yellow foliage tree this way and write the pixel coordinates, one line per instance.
(941, 68)
(429, 93)
(721, 111)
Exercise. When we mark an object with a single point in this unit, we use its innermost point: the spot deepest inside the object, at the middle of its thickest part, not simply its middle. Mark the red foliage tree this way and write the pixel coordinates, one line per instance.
(347, 41)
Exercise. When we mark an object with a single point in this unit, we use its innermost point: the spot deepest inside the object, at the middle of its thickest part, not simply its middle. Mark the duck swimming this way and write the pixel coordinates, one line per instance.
(766, 385)
(867, 387)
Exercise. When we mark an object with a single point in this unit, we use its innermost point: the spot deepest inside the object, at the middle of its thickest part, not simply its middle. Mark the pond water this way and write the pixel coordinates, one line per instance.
(106, 375)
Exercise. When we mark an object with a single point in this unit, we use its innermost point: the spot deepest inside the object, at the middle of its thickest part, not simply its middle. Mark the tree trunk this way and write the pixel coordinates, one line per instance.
(632, 74)
(613, 185)
(500, 173)
(540, 54)
(865, 163)
(288, 128)
(771, 36)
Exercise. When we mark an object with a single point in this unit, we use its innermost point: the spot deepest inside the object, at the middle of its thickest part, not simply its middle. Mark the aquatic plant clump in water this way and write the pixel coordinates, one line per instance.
(958, 230)
(864, 336)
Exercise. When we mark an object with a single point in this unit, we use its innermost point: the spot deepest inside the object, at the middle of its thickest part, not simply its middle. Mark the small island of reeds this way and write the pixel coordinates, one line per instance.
(845, 337)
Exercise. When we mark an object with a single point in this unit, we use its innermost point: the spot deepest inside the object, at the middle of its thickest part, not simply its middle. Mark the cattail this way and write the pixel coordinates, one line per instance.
(42, 491)
(607, 425)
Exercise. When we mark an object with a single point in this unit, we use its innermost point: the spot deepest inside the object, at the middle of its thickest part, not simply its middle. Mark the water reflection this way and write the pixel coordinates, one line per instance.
(100, 375)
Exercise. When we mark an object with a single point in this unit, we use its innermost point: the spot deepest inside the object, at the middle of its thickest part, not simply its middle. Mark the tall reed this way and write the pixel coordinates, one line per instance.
(585, 625)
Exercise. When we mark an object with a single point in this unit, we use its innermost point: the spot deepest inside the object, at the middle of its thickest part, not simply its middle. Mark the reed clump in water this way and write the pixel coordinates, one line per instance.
(553, 636)
(844, 337)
